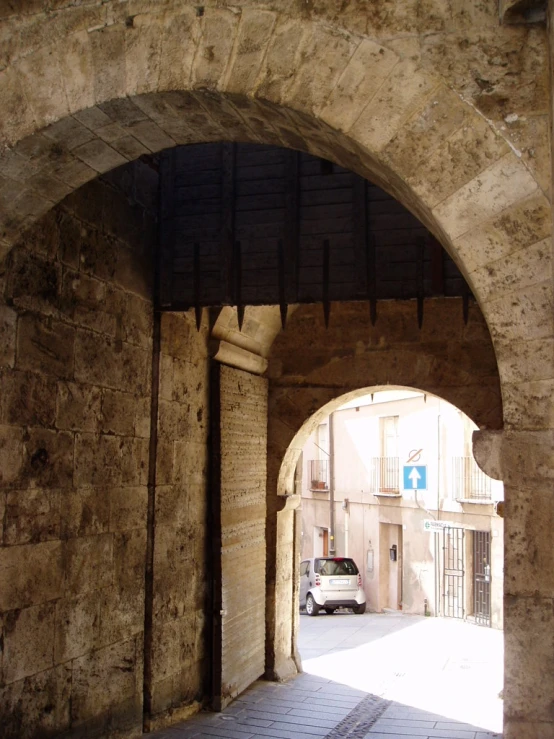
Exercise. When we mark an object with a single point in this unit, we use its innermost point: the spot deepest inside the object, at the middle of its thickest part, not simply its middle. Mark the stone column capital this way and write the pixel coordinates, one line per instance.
(487, 451)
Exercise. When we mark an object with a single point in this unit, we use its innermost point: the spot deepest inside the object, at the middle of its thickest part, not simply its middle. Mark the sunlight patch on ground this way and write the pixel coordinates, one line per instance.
(444, 666)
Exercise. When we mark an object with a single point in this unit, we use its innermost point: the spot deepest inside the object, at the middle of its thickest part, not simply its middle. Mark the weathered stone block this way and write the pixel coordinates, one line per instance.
(37, 704)
(48, 460)
(134, 461)
(528, 405)
(46, 345)
(118, 413)
(29, 399)
(190, 460)
(78, 407)
(84, 512)
(190, 383)
(215, 43)
(178, 505)
(502, 184)
(8, 318)
(255, 29)
(99, 156)
(524, 619)
(175, 420)
(103, 682)
(97, 459)
(31, 516)
(101, 361)
(137, 326)
(166, 377)
(77, 626)
(121, 615)
(178, 48)
(322, 58)
(70, 240)
(30, 574)
(87, 564)
(28, 644)
(142, 418)
(166, 639)
(357, 85)
(529, 558)
(164, 463)
(11, 454)
(34, 282)
(98, 254)
(128, 508)
(129, 552)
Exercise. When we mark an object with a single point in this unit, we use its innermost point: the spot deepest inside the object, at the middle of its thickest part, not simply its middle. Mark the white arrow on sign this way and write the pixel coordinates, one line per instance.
(414, 477)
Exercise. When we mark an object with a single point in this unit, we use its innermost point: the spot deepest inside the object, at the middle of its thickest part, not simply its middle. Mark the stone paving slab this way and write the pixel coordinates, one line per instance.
(300, 709)
(312, 706)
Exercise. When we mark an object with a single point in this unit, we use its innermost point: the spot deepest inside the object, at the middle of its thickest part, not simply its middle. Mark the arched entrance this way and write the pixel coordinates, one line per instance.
(147, 82)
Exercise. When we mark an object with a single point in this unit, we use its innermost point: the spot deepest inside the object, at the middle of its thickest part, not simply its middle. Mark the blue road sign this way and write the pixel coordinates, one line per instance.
(415, 477)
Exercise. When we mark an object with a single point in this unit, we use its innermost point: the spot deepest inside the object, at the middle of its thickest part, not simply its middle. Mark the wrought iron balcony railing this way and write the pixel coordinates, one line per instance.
(469, 481)
(386, 475)
(319, 474)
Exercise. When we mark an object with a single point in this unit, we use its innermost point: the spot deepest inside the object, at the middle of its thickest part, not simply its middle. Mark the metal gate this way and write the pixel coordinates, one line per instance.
(453, 572)
(482, 577)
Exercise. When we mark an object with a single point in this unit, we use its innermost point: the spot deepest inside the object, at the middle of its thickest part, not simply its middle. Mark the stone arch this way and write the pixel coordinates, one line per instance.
(312, 369)
(158, 78)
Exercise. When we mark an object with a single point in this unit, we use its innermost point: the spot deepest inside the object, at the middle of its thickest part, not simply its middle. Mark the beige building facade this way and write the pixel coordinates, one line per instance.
(409, 505)
(147, 453)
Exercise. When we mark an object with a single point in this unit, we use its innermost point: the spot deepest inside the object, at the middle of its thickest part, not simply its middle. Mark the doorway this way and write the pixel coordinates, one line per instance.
(321, 542)
(390, 567)
(453, 572)
(482, 577)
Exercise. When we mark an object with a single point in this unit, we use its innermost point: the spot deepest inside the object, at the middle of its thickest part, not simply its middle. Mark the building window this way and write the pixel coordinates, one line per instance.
(386, 467)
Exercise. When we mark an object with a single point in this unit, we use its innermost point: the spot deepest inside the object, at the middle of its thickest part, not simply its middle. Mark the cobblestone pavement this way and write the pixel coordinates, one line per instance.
(344, 647)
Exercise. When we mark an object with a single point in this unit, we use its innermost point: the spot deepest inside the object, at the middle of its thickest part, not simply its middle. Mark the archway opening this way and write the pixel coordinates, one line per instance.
(388, 485)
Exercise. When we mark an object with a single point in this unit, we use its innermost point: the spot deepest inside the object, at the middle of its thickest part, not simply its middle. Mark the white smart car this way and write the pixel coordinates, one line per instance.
(330, 583)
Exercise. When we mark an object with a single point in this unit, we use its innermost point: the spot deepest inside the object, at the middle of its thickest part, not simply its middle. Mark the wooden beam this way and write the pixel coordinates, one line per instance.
(197, 277)
(228, 194)
(283, 307)
(291, 225)
(166, 245)
(326, 267)
(437, 265)
(360, 228)
(420, 274)
(237, 288)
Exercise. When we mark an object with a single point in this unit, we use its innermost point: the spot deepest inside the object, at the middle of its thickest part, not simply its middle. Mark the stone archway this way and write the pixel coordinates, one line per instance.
(91, 87)
(153, 80)
(312, 370)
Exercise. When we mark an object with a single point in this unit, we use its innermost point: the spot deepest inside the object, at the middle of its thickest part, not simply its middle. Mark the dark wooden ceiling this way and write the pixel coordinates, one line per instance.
(245, 224)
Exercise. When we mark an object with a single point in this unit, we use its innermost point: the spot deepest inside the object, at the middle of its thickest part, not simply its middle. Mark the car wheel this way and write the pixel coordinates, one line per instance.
(359, 609)
(312, 609)
(329, 611)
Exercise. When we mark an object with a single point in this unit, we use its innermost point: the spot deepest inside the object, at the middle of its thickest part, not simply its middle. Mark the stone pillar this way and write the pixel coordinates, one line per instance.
(523, 459)
(528, 469)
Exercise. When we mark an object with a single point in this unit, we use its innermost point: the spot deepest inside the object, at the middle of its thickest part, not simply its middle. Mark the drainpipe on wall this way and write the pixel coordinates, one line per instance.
(331, 488)
(346, 509)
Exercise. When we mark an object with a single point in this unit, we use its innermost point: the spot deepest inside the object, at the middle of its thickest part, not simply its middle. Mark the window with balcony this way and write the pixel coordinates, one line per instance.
(319, 474)
(386, 468)
(469, 481)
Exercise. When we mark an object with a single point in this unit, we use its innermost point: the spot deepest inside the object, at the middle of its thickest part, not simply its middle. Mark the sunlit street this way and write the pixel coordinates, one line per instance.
(444, 666)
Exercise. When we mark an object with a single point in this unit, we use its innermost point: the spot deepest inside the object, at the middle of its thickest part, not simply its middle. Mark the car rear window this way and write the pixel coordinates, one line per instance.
(337, 566)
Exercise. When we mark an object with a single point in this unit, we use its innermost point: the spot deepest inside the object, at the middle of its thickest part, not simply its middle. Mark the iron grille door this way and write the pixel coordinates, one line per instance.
(482, 577)
(453, 585)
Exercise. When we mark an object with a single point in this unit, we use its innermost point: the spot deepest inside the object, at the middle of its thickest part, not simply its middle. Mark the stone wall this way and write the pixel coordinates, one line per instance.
(75, 412)
(176, 675)
(76, 325)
